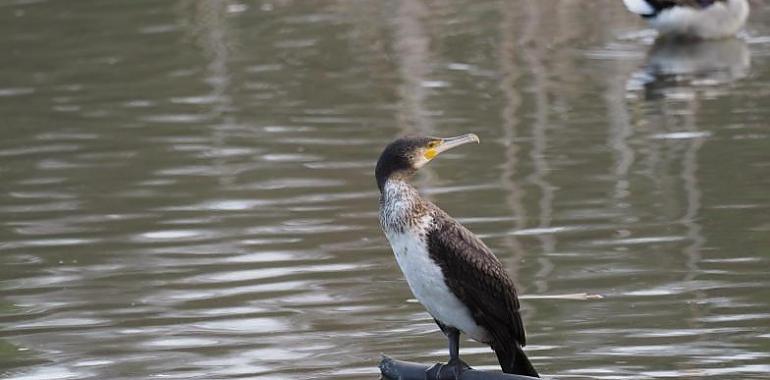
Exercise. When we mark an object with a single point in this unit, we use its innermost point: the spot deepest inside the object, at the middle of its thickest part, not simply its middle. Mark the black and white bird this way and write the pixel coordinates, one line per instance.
(704, 19)
(450, 271)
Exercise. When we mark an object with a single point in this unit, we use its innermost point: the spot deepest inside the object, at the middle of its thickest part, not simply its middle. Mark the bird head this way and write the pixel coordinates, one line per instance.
(404, 156)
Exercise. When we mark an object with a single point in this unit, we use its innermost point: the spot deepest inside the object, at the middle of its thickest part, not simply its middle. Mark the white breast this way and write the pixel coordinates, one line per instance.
(640, 7)
(426, 281)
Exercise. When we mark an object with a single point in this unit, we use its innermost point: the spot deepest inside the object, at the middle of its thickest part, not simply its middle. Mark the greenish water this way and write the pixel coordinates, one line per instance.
(186, 187)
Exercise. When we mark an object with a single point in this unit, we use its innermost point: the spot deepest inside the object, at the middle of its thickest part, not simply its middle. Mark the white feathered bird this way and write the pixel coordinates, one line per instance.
(705, 19)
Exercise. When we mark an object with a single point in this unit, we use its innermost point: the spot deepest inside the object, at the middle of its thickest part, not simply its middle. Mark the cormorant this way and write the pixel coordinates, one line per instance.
(450, 271)
(693, 18)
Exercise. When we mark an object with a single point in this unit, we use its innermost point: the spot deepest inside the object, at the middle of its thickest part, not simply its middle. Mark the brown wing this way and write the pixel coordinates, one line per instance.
(477, 278)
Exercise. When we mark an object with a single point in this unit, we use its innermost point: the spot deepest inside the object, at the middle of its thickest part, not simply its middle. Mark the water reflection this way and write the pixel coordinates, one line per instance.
(411, 45)
(510, 125)
(675, 63)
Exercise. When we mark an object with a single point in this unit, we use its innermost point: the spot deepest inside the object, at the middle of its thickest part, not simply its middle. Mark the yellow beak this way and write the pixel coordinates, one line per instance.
(449, 143)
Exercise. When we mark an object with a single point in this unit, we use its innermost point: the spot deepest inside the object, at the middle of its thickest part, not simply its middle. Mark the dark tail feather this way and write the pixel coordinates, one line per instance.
(515, 362)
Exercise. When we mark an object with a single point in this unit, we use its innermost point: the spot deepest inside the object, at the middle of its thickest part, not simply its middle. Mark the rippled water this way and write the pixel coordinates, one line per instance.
(186, 187)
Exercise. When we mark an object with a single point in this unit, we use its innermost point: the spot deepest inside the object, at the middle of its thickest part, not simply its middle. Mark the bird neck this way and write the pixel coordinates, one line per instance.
(389, 169)
(397, 188)
(400, 204)
(399, 177)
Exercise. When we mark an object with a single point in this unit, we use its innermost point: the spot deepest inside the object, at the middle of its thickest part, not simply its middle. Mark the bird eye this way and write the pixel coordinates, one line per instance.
(432, 144)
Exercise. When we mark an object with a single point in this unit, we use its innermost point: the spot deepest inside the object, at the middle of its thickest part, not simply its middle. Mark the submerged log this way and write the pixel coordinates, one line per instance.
(393, 369)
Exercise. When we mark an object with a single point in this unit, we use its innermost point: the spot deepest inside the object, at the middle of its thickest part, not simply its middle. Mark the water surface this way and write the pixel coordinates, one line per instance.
(186, 187)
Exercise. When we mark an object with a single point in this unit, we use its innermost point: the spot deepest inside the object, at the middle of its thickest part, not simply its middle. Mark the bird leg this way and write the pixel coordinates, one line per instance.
(454, 368)
(453, 336)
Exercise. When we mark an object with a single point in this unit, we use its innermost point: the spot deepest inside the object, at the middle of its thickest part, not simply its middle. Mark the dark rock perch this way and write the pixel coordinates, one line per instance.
(393, 369)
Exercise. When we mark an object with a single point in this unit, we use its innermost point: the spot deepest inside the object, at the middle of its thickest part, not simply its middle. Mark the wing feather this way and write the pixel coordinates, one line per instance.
(477, 278)
(663, 4)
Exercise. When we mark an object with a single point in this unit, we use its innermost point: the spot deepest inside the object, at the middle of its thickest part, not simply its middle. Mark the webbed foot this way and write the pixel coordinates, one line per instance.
(449, 371)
